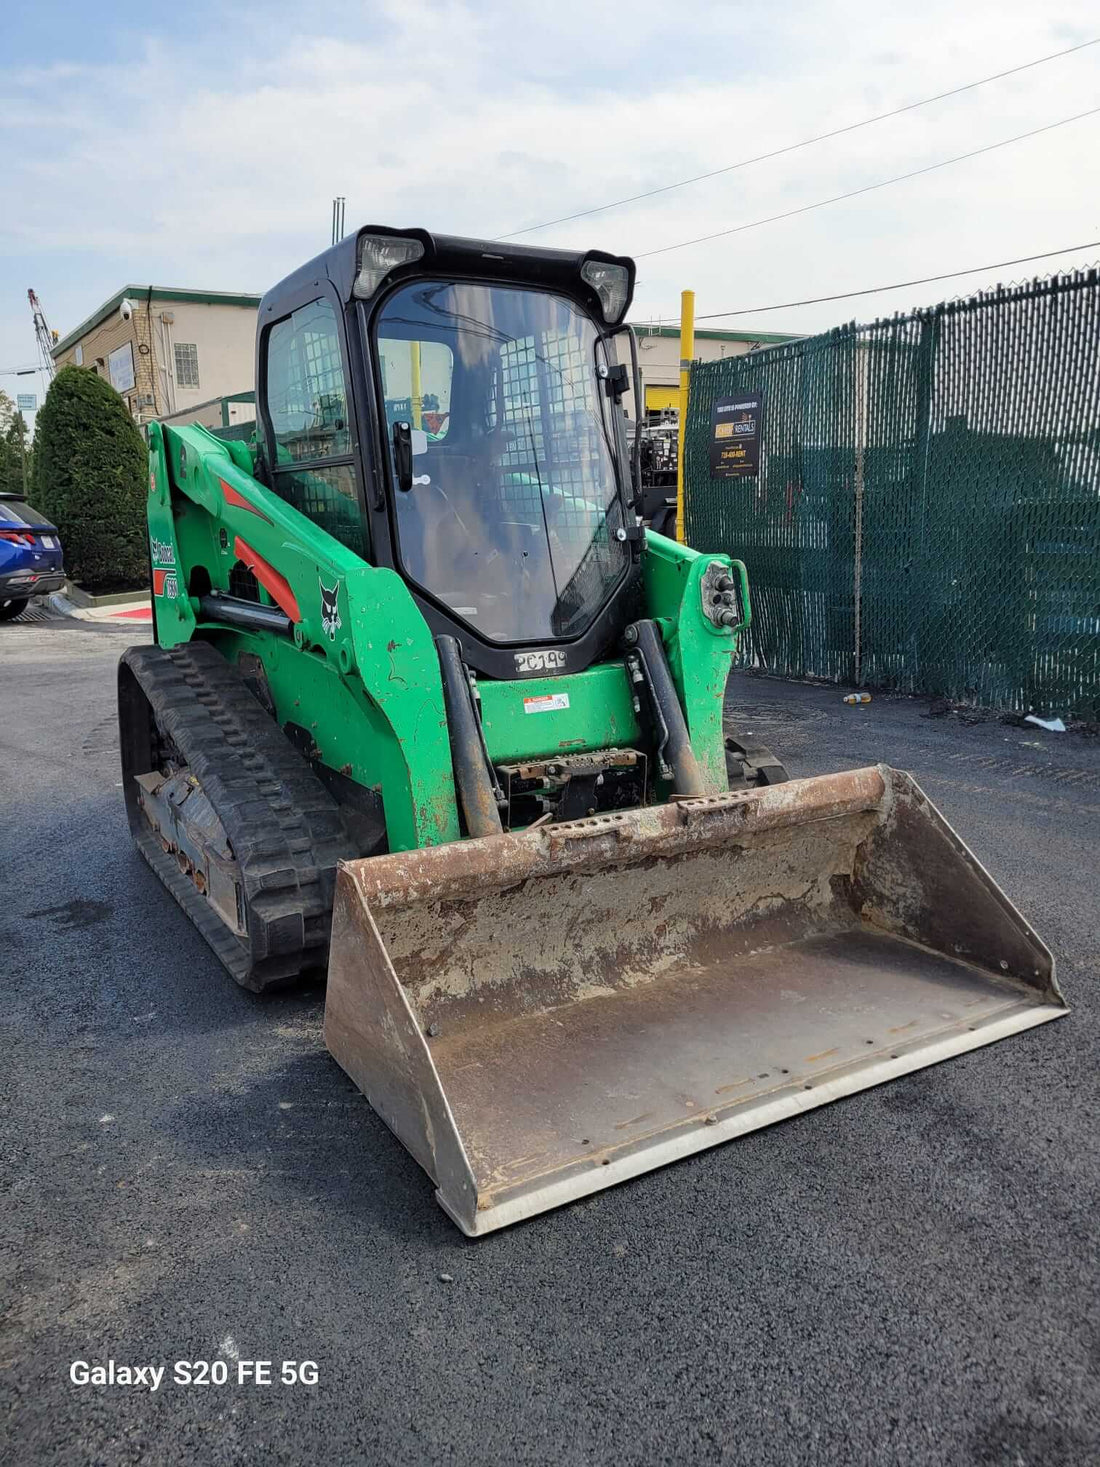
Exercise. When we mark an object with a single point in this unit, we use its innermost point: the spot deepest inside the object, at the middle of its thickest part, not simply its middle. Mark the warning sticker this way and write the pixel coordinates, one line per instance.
(546, 703)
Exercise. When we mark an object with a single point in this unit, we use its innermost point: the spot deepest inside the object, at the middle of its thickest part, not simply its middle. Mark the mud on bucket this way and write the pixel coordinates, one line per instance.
(539, 1015)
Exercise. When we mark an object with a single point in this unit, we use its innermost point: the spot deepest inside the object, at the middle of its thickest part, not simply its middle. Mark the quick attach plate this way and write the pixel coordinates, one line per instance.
(571, 786)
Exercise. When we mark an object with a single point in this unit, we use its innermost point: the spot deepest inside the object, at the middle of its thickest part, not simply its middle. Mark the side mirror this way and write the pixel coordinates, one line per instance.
(403, 456)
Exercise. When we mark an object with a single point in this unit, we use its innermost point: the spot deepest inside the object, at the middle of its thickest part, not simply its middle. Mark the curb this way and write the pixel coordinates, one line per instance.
(87, 602)
(58, 601)
(112, 610)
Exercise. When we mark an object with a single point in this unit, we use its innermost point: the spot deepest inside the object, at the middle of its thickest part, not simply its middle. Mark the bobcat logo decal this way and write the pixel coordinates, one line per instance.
(330, 610)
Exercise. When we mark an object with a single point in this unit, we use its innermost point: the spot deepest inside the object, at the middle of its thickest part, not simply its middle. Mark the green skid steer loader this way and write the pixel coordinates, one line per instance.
(421, 681)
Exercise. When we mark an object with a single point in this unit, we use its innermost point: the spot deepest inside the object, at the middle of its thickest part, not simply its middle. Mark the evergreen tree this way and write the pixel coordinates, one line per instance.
(13, 447)
(90, 478)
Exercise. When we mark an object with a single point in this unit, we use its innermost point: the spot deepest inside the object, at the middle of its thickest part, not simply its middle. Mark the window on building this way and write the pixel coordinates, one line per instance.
(187, 364)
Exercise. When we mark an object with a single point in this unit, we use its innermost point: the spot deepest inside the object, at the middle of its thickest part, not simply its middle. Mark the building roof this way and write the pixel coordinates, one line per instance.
(644, 329)
(157, 293)
(230, 298)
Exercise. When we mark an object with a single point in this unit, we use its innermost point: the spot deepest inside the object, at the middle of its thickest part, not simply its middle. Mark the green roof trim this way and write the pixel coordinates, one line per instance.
(709, 335)
(159, 293)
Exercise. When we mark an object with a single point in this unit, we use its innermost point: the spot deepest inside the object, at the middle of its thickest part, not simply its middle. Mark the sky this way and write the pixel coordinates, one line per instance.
(201, 145)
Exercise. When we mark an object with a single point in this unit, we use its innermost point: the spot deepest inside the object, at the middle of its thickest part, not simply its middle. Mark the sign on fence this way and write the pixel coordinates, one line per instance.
(735, 424)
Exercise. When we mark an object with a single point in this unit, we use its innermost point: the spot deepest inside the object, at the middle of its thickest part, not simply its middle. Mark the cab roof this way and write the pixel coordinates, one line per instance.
(447, 254)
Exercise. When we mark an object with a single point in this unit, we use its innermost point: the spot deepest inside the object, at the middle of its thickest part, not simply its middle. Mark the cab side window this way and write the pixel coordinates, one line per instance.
(307, 406)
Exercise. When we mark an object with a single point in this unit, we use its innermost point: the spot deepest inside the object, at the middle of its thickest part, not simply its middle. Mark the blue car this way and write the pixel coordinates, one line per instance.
(30, 555)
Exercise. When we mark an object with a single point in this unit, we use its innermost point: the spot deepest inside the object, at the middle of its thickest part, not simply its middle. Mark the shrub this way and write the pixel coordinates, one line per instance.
(15, 455)
(90, 478)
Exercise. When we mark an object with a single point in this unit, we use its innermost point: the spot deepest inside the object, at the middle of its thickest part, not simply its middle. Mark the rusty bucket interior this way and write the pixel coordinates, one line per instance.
(542, 1014)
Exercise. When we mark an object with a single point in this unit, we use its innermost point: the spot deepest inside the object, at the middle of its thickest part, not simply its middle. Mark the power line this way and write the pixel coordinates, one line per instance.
(867, 188)
(898, 285)
(805, 143)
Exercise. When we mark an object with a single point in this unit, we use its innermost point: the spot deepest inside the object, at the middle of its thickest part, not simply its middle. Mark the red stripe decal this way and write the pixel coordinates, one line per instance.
(158, 582)
(276, 586)
(235, 497)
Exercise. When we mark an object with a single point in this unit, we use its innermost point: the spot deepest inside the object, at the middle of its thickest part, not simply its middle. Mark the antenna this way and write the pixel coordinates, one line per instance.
(338, 218)
(46, 338)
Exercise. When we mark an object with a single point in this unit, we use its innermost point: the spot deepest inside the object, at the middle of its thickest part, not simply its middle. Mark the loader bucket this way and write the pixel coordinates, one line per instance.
(542, 1014)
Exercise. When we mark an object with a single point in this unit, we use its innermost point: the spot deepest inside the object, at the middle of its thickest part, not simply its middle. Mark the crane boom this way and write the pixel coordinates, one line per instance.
(46, 338)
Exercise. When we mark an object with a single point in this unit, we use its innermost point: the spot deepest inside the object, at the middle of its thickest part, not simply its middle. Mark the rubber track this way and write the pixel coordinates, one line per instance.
(751, 764)
(283, 825)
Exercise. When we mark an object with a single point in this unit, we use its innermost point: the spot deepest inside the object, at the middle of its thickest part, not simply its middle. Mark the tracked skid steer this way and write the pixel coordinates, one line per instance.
(427, 708)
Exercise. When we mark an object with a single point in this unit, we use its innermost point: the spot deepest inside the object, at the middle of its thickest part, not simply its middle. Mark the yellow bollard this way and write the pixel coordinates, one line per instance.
(417, 393)
(687, 351)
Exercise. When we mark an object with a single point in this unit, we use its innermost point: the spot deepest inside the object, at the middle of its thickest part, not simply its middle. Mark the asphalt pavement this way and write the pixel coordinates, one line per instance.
(908, 1276)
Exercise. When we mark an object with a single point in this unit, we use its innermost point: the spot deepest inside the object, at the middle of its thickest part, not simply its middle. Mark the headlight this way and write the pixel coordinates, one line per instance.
(378, 255)
(611, 283)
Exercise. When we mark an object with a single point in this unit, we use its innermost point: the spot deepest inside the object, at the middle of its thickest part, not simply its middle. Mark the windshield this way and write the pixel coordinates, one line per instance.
(514, 509)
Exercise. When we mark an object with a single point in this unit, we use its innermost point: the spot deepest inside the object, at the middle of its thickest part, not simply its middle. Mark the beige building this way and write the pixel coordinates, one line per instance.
(189, 355)
(171, 352)
(659, 359)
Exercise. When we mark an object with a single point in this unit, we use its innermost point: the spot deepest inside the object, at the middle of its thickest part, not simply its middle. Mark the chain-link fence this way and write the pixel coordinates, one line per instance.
(926, 512)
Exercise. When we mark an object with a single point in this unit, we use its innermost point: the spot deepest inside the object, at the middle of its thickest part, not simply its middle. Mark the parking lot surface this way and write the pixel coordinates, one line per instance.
(908, 1276)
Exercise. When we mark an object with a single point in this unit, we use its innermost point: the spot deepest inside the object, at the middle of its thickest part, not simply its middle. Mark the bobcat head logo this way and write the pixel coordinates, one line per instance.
(330, 610)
